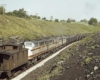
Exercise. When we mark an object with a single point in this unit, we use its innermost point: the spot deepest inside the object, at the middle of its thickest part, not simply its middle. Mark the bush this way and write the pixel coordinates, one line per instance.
(56, 20)
(93, 21)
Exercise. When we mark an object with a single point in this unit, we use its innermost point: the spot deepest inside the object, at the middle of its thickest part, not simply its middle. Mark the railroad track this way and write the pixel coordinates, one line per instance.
(39, 64)
(21, 65)
(22, 72)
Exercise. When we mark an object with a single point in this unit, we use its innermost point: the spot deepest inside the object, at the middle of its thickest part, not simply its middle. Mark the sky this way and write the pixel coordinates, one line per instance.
(59, 9)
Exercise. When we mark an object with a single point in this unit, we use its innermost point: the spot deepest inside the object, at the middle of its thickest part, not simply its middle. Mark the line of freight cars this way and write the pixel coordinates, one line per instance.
(14, 56)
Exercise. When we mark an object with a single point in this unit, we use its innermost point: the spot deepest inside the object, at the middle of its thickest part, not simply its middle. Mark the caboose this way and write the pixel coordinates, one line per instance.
(12, 56)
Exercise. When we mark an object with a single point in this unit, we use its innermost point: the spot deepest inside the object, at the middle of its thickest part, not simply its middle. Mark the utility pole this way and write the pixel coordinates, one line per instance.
(51, 17)
(36, 15)
(3, 6)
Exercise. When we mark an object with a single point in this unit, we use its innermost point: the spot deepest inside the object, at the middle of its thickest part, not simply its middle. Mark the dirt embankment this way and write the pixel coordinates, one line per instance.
(78, 62)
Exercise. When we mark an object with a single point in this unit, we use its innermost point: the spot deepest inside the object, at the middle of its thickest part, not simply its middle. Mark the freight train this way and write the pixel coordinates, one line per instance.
(14, 55)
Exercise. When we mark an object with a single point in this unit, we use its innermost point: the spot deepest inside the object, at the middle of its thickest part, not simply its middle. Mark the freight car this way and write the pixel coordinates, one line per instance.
(13, 56)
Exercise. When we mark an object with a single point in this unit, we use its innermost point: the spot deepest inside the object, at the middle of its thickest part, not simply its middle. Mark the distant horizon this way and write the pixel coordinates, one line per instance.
(58, 9)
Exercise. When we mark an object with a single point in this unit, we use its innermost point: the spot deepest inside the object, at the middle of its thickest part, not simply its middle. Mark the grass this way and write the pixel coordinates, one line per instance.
(46, 75)
(35, 28)
(88, 60)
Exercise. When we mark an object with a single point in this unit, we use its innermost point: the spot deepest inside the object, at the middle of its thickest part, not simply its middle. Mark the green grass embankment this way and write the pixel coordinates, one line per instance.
(34, 28)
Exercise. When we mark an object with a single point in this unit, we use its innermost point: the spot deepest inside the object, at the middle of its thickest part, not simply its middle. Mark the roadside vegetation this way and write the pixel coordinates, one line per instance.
(19, 23)
(36, 28)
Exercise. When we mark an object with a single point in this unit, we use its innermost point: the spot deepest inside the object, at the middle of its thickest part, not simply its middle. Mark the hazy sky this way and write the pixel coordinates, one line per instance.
(60, 9)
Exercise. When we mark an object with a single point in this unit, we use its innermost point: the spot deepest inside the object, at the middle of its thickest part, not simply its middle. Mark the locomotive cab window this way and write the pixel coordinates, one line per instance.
(15, 47)
(36, 44)
(41, 43)
(28, 44)
(45, 43)
(1, 58)
(12, 57)
(6, 57)
(50, 42)
(1, 47)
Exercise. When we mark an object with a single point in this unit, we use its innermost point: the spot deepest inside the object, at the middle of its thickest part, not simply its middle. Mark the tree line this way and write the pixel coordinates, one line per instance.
(23, 14)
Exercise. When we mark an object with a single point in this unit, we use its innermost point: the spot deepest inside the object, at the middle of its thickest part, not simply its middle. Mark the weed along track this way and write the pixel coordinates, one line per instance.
(17, 57)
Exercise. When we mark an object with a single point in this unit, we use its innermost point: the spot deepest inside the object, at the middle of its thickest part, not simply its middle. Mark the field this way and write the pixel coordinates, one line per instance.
(36, 28)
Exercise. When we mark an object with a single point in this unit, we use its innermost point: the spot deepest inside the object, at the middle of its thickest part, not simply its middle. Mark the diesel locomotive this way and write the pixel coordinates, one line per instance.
(15, 55)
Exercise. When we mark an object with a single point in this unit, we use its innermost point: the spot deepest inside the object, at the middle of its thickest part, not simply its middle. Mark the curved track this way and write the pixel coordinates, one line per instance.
(23, 74)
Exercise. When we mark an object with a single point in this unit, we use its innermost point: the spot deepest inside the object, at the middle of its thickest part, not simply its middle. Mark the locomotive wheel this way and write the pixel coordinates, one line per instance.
(9, 75)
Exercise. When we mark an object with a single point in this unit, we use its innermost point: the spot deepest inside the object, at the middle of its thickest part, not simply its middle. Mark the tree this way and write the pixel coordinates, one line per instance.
(9, 13)
(38, 17)
(44, 18)
(33, 16)
(93, 21)
(68, 20)
(56, 20)
(15, 12)
(62, 20)
(22, 13)
(84, 20)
